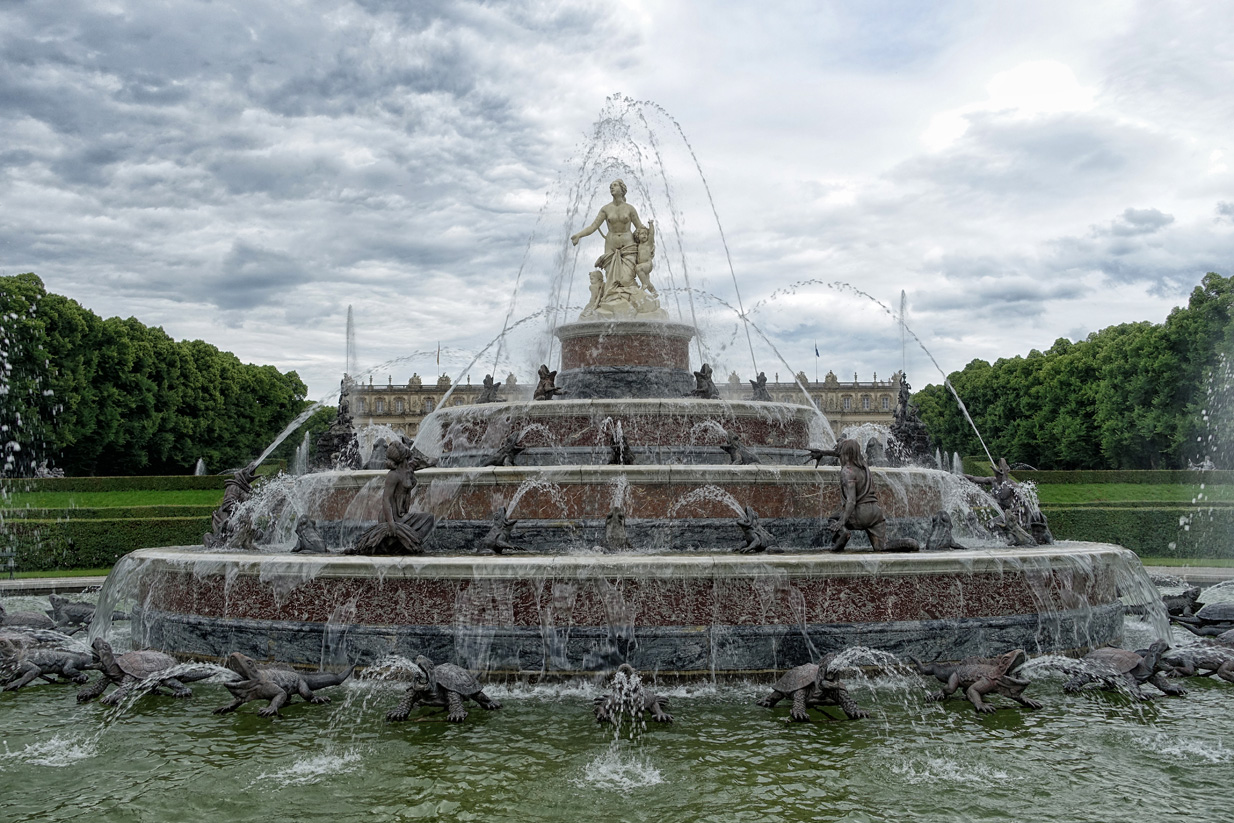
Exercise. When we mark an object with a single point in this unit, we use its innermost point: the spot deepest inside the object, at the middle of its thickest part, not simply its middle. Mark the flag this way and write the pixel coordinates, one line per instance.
(438, 352)
(816, 354)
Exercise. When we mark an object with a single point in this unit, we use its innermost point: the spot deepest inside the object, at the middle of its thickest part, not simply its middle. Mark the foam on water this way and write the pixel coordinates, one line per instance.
(1184, 750)
(312, 769)
(617, 770)
(928, 770)
(58, 751)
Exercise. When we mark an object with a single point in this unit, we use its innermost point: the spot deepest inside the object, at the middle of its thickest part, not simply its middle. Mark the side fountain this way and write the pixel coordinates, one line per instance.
(664, 528)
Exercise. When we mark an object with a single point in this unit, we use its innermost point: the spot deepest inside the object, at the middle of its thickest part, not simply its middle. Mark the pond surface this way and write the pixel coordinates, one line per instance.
(1087, 757)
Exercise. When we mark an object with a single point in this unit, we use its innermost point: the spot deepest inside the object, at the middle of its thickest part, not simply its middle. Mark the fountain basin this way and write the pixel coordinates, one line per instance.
(657, 430)
(683, 614)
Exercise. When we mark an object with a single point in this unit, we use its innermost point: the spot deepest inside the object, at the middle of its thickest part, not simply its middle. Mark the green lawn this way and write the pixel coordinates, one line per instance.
(1062, 493)
(1199, 562)
(61, 573)
(102, 500)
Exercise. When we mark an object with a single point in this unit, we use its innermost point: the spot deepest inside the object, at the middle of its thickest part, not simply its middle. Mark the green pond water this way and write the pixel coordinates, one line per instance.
(1085, 757)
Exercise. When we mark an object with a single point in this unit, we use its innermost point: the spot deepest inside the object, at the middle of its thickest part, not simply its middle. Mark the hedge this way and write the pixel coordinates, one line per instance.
(1212, 478)
(43, 545)
(115, 484)
(110, 513)
(1163, 531)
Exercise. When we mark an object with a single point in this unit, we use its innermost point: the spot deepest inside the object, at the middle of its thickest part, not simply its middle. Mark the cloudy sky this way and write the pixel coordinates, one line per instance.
(242, 172)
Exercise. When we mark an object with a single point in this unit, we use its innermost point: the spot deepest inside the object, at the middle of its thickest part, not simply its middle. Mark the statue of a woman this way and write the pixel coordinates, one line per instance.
(627, 261)
(619, 247)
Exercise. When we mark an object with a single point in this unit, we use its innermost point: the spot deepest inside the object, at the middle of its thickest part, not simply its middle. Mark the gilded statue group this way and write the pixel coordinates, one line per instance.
(621, 281)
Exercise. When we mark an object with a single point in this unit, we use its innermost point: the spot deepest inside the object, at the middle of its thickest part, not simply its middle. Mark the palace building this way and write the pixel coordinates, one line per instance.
(403, 406)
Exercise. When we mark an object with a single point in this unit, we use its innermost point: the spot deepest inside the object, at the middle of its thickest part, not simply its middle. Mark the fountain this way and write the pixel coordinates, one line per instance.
(617, 511)
(662, 527)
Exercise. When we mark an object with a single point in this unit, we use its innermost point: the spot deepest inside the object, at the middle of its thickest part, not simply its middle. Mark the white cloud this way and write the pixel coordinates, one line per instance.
(244, 176)
(1032, 89)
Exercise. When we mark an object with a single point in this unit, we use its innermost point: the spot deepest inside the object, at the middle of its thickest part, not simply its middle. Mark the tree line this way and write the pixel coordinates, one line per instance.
(96, 396)
(1132, 396)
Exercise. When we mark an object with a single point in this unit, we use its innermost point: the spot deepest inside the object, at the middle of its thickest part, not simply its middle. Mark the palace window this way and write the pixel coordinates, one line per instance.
(886, 403)
(379, 406)
(362, 404)
(865, 402)
(429, 405)
(848, 404)
(398, 405)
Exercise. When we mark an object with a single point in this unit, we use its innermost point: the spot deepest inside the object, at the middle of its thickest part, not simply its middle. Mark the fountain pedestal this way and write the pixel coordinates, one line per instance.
(625, 359)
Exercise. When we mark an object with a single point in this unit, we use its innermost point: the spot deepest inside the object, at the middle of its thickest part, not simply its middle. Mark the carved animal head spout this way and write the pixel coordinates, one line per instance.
(1012, 660)
(243, 665)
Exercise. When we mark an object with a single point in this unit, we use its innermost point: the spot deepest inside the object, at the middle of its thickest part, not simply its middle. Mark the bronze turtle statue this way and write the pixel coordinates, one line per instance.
(628, 696)
(1113, 667)
(979, 676)
(1211, 620)
(28, 620)
(135, 670)
(809, 686)
(443, 686)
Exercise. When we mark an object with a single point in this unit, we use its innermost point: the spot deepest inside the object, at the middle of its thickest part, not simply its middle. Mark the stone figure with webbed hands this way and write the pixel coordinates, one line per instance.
(1018, 518)
(624, 289)
(861, 511)
(400, 530)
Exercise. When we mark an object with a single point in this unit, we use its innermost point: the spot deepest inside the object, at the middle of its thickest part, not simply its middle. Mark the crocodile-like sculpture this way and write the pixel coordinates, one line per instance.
(22, 666)
(444, 686)
(134, 670)
(811, 685)
(627, 696)
(275, 683)
(979, 676)
(1112, 667)
(74, 614)
(1215, 656)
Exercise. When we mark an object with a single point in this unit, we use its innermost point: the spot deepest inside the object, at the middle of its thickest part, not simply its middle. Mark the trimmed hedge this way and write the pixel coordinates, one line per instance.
(115, 484)
(43, 545)
(1162, 531)
(1212, 478)
(109, 513)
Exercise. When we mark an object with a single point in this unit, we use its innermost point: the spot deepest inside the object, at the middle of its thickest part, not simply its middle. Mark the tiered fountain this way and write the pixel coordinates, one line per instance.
(627, 486)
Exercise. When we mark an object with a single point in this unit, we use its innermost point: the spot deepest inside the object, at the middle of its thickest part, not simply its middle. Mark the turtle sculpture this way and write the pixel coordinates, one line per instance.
(443, 686)
(1112, 667)
(135, 670)
(628, 697)
(30, 620)
(979, 676)
(809, 686)
(276, 683)
(1211, 620)
(22, 666)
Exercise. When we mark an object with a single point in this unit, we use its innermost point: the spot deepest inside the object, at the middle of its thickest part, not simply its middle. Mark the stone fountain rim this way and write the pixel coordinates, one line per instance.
(560, 407)
(619, 327)
(671, 474)
(693, 565)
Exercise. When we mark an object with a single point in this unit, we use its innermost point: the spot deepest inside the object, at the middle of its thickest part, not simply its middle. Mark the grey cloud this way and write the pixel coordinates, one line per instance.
(1225, 211)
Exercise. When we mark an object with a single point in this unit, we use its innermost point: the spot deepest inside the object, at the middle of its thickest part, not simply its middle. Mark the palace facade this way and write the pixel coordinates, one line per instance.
(404, 406)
